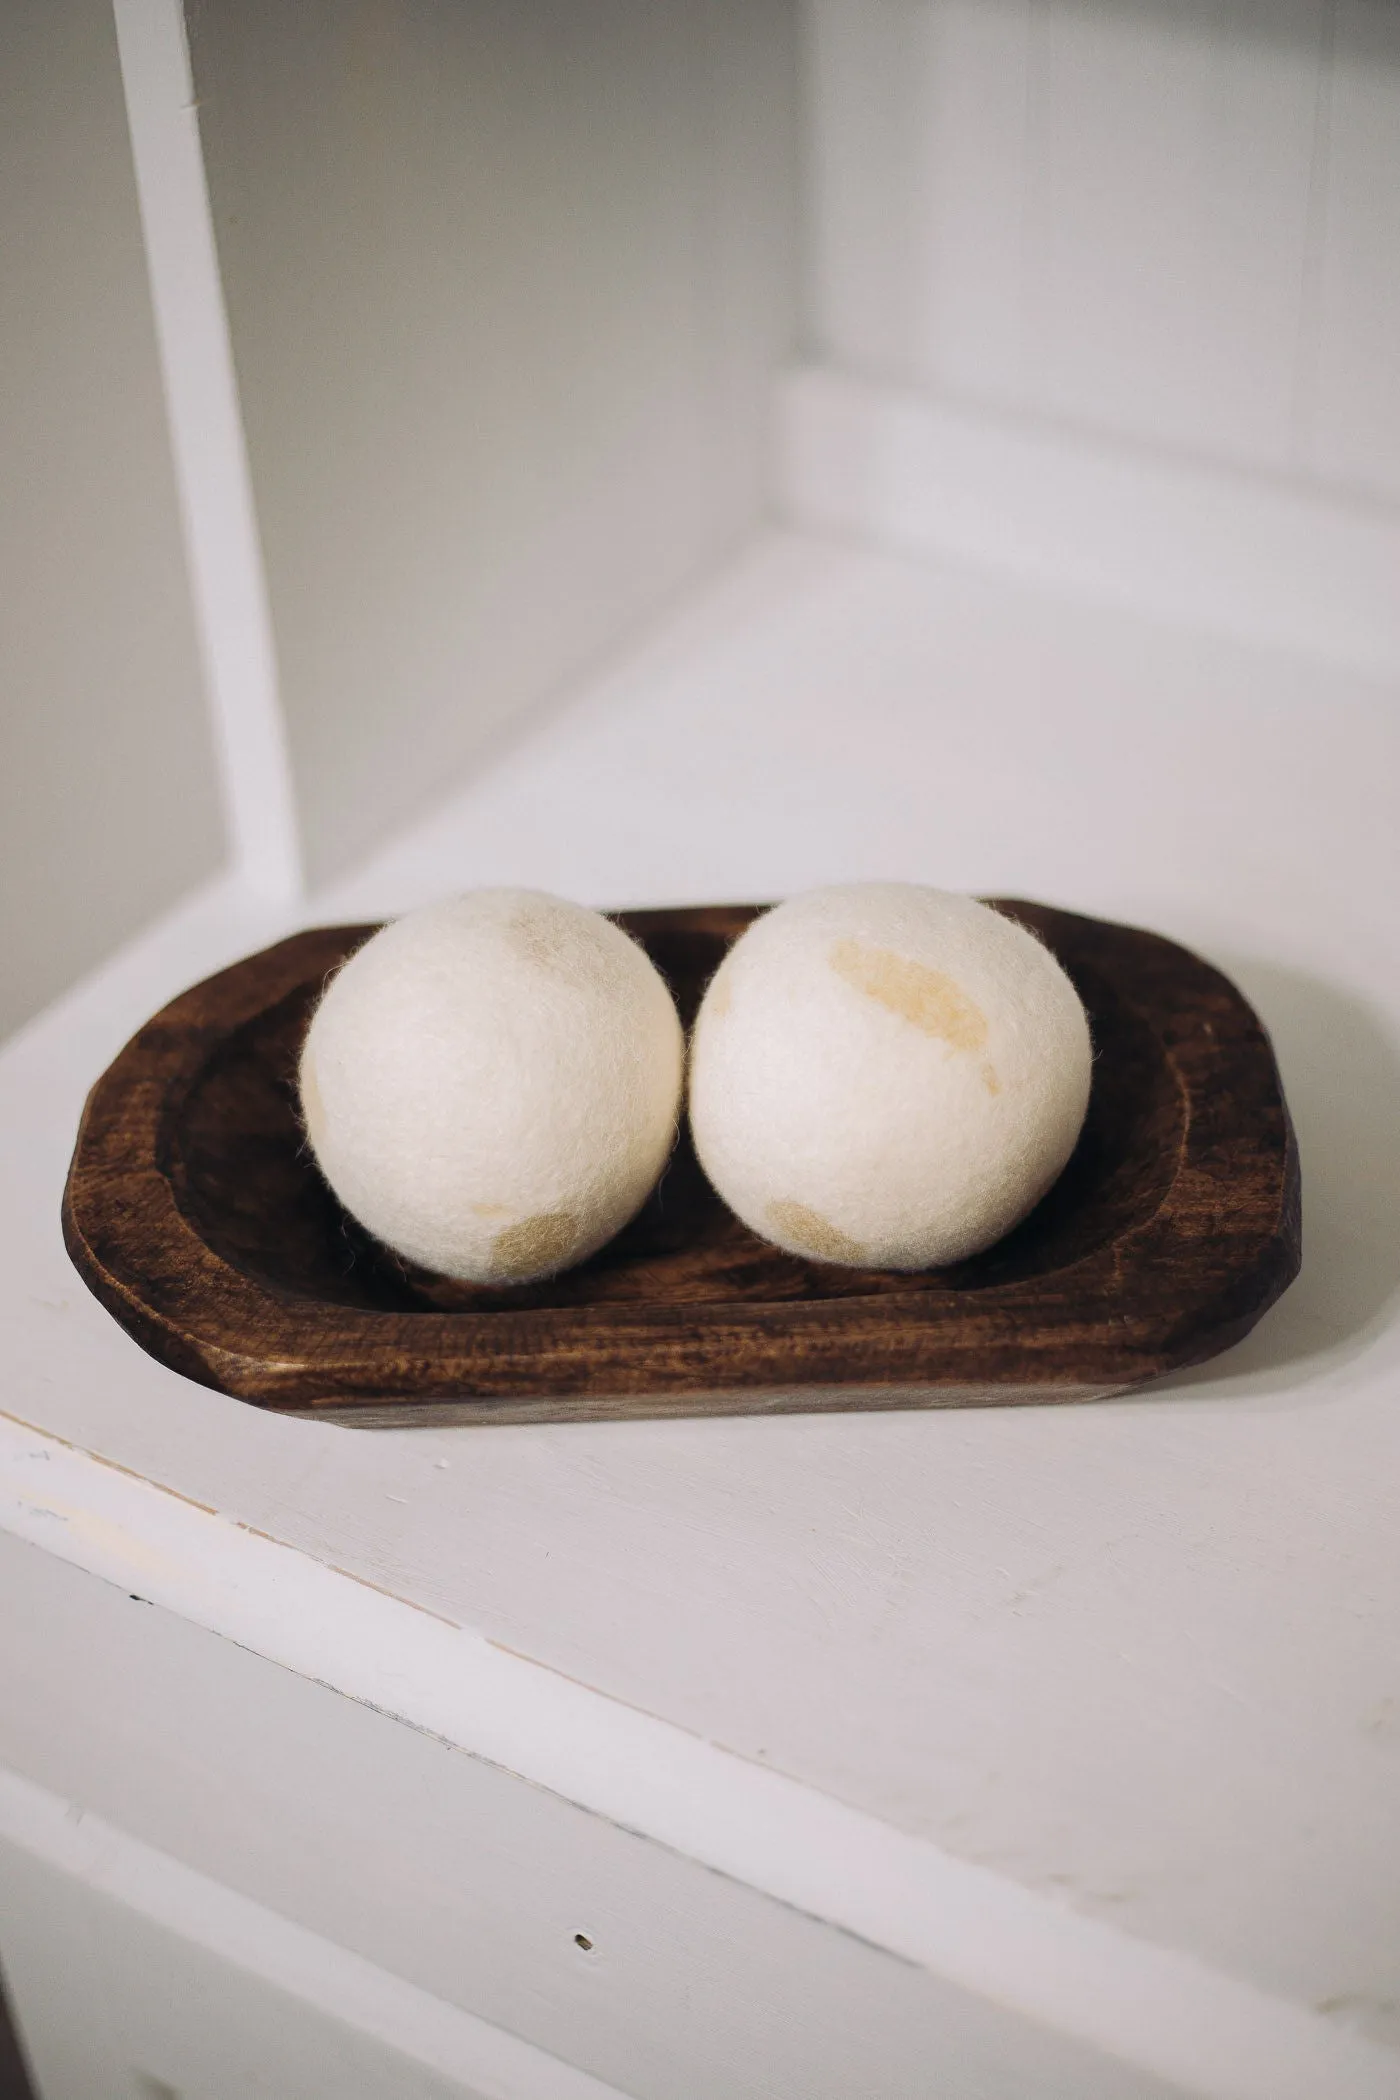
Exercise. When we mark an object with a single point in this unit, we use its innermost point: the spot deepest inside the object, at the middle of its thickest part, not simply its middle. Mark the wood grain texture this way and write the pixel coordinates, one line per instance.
(196, 1215)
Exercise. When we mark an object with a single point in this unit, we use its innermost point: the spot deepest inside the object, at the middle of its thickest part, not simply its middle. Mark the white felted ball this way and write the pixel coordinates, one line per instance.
(887, 1076)
(491, 1086)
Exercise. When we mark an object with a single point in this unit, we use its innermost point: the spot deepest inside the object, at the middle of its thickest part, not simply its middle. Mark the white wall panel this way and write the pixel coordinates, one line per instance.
(1172, 221)
(506, 287)
(109, 804)
(1168, 164)
(978, 142)
(1354, 432)
(867, 72)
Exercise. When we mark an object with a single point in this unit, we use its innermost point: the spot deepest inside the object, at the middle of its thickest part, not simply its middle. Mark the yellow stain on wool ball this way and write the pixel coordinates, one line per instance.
(929, 998)
(535, 1246)
(808, 1232)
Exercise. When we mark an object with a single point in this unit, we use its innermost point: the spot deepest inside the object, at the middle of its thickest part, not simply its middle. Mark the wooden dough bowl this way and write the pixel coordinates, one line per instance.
(195, 1214)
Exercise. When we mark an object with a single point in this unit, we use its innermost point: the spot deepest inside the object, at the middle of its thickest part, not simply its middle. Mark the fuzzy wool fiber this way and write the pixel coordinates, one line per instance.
(887, 1076)
(491, 1085)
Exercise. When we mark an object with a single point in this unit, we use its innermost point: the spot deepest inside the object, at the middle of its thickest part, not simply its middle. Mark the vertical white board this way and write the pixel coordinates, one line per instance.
(1354, 431)
(1174, 225)
(206, 434)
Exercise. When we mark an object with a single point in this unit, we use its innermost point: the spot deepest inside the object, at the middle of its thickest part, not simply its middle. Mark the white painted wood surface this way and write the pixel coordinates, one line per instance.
(136, 1971)
(688, 1980)
(452, 1875)
(1135, 1660)
(1029, 1753)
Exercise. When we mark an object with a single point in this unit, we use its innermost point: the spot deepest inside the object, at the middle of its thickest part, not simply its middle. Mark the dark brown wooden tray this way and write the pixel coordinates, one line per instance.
(195, 1214)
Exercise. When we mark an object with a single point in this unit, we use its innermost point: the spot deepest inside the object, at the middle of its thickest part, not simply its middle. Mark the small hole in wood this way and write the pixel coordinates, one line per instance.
(581, 1939)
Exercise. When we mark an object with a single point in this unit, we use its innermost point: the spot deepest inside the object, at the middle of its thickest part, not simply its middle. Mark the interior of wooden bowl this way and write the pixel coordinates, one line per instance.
(245, 1180)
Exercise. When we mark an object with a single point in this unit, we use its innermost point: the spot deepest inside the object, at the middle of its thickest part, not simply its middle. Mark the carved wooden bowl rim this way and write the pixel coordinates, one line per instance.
(1182, 1265)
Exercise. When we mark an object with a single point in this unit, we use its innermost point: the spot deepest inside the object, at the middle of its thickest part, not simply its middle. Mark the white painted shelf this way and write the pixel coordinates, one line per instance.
(1024, 1754)
(1050, 1750)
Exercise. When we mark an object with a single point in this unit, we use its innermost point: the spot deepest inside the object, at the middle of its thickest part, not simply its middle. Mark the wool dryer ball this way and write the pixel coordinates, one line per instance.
(887, 1076)
(491, 1086)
